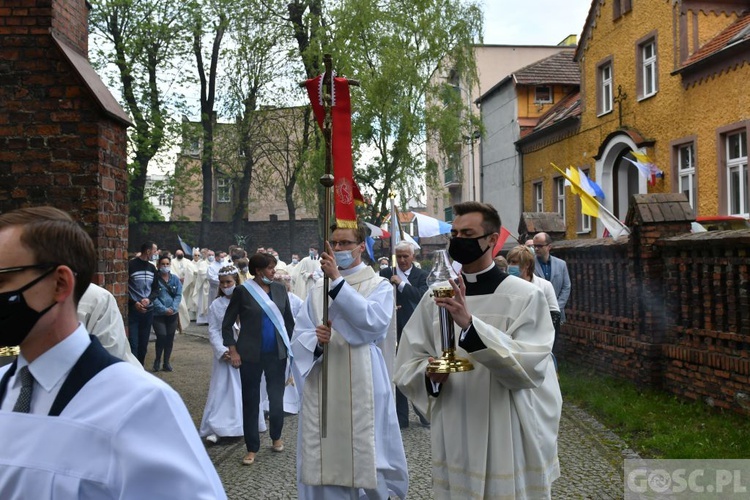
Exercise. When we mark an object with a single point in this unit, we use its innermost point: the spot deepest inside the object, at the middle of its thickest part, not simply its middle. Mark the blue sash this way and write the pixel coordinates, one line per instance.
(272, 310)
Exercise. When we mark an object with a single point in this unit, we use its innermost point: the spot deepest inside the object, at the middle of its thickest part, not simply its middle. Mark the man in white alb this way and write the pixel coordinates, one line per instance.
(494, 429)
(362, 453)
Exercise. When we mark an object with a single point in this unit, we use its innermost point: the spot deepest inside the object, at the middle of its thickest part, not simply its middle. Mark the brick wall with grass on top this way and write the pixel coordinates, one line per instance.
(663, 307)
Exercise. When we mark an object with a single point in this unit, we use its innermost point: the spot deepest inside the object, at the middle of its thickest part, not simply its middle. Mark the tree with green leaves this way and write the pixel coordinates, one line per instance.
(209, 20)
(142, 44)
(394, 49)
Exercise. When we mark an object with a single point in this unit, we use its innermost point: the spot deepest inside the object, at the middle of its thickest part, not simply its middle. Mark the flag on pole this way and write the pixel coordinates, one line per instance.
(185, 247)
(645, 166)
(377, 232)
(504, 233)
(429, 226)
(346, 192)
(370, 246)
(590, 206)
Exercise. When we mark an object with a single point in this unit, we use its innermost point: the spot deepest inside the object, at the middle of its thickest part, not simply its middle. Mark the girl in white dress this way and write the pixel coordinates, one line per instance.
(222, 416)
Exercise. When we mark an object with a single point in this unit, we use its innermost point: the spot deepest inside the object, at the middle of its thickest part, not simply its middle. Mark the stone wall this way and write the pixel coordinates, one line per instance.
(267, 233)
(664, 307)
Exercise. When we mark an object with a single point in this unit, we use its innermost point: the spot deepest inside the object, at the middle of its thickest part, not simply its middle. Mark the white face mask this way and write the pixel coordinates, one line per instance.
(165, 269)
(228, 290)
(211, 258)
(344, 258)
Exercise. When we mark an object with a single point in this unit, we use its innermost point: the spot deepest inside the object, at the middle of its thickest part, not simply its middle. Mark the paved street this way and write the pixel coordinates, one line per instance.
(590, 456)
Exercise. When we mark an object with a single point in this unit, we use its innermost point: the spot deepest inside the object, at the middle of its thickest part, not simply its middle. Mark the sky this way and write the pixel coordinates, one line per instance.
(533, 22)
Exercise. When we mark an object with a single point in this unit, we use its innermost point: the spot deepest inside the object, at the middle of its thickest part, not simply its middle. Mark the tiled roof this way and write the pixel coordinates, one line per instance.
(568, 106)
(558, 68)
(740, 29)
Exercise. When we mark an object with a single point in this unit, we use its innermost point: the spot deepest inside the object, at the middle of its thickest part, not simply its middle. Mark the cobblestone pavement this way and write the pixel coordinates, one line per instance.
(590, 455)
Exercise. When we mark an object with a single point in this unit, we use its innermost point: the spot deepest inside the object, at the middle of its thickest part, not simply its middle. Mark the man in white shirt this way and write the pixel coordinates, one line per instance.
(306, 273)
(76, 422)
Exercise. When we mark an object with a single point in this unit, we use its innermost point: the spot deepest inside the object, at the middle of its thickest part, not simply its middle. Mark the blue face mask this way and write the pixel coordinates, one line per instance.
(344, 258)
(514, 271)
(265, 280)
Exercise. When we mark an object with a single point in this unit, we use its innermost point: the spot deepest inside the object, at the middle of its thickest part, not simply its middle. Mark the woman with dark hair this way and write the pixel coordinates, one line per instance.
(261, 348)
(222, 416)
(166, 308)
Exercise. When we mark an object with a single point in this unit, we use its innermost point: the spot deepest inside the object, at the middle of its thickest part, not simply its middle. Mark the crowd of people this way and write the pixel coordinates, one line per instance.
(494, 429)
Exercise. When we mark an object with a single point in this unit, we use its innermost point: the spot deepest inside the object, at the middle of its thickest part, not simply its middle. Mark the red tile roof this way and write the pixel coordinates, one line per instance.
(739, 29)
(569, 106)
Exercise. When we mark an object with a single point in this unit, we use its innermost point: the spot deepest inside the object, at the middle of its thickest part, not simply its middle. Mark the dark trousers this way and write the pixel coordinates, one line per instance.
(165, 328)
(250, 373)
(139, 329)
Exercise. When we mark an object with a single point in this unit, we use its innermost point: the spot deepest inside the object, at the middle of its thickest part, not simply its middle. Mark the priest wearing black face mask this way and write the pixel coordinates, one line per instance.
(495, 427)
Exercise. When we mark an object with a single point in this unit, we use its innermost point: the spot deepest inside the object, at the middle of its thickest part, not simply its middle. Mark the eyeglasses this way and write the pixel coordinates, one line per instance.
(343, 243)
(6, 270)
(541, 246)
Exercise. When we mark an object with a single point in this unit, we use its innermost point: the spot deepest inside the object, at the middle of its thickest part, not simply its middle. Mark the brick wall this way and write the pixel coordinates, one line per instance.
(266, 233)
(62, 135)
(664, 308)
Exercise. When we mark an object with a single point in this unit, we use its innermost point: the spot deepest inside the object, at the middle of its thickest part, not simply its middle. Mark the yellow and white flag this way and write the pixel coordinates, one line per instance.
(591, 206)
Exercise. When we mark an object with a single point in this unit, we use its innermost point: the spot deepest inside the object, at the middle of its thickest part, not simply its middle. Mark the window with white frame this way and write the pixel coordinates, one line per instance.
(538, 197)
(605, 88)
(737, 191)
(543, 94)
(648, 68)
(686, 171)
(560, 196)
(223, 190)
(584, 220)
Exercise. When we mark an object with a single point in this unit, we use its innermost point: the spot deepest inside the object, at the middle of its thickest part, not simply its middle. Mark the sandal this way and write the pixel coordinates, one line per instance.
(249, 459)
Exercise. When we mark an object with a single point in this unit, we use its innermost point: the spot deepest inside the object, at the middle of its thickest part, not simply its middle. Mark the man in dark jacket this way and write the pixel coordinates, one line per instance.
(411, 283)
(142, 291)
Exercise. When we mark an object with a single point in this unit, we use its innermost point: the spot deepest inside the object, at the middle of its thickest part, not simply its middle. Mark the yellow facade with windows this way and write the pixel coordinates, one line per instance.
(693, 106)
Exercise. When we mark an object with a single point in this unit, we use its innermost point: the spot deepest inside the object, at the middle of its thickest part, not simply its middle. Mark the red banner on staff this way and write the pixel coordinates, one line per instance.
(346, 192)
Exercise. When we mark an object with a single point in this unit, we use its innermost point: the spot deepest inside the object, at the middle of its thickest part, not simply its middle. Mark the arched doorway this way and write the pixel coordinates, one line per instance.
(618, 177)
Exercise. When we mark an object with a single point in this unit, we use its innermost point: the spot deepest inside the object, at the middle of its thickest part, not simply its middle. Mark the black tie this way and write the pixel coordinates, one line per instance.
(23, 403)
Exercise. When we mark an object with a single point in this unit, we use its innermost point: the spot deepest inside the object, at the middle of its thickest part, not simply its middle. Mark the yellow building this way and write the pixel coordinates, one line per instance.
(667, 78)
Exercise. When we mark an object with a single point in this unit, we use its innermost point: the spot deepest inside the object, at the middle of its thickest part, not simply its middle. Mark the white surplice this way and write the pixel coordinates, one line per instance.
(362, 422)
(126, 434)
(222, 415)
(99, 313)
(185, 270)
(201, 291)
(494, 429)
(305, 274)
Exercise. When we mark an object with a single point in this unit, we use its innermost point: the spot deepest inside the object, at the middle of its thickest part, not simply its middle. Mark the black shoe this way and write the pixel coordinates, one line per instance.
(167, 367)
(403, 426)
(157, 365)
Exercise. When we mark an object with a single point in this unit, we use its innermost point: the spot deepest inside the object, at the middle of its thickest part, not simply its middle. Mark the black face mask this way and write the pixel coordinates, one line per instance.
(179, 257)
(16, 317)
(466, 250)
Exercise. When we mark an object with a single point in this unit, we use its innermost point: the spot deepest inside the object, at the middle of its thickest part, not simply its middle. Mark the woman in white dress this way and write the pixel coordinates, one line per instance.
(222, 416)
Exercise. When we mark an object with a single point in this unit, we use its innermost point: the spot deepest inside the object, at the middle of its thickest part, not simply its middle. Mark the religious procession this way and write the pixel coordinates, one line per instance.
(359, 290)
(328, 337)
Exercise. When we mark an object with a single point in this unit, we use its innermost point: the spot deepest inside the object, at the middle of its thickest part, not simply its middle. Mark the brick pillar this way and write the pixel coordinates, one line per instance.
(652, 217)
(62, 134)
